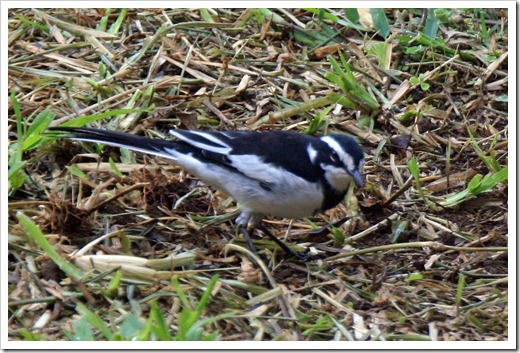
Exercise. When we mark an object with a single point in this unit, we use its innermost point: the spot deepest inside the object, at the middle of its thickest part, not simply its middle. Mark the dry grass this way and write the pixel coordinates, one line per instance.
(413, 267)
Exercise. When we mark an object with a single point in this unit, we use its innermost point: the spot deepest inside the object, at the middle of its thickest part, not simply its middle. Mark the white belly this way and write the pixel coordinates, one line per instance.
(294, 201)
(286, 195)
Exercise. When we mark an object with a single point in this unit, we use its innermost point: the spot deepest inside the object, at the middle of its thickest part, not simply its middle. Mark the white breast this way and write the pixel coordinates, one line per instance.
(287, 196)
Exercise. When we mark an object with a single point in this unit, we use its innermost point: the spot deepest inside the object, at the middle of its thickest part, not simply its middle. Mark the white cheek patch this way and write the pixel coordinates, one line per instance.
(336, 177)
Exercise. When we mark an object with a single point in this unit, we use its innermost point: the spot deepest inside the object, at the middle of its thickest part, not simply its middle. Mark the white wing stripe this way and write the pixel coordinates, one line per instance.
(225, 149)
(254, 167)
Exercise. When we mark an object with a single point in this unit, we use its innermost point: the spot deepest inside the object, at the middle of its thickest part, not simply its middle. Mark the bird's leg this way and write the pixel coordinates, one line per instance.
(303, 255)
(247, 237)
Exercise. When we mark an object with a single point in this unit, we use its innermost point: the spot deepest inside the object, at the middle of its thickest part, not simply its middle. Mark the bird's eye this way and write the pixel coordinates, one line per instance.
(334, 158)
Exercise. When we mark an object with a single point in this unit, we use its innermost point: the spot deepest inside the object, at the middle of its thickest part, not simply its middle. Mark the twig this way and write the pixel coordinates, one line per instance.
(384, 223)
(424, 244)
(118, 195)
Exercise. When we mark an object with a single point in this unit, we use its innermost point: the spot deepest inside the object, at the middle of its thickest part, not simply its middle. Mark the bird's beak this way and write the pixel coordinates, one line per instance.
(357, 178)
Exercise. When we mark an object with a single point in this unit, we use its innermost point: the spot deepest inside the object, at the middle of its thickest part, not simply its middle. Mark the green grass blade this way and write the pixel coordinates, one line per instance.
(205, 296)
(94, 320)
(460, 288)
(82, 330)
(413, 166)
(432, 24)
(380, 22)
(117, 25)
(158, 325)
(34, 232)
(32, 138)
(352, 15)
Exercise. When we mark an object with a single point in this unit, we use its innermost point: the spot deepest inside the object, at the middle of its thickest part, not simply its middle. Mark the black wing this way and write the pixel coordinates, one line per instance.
(250, 152)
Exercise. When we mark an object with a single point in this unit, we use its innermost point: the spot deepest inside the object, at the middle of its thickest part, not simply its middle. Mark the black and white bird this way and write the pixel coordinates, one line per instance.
(278, 173)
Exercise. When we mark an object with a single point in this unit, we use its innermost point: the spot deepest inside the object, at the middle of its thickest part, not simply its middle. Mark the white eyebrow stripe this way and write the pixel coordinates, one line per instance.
(332, 143)
(225, 149)
(345, 157)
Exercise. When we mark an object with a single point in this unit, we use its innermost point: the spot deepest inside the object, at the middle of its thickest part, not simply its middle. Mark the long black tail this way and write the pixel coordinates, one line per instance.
(119, 139)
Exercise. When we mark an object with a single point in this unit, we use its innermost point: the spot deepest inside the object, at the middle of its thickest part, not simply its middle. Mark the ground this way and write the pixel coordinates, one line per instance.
(423, 257)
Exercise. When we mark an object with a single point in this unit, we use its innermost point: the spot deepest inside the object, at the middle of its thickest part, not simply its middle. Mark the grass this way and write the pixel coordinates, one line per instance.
(106, 244)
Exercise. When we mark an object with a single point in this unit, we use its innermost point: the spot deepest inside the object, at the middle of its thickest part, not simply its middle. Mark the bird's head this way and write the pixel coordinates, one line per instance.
(345, 161)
